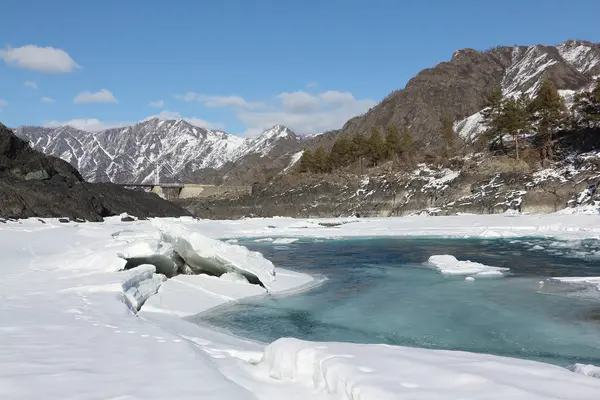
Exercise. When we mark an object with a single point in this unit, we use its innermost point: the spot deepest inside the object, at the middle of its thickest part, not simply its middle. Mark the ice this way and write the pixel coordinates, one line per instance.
(264, 240)
(355, 371)
(285, 240)
(584, 280)
(74, 324)
(449, 265)
(586, 369)
(215, 256)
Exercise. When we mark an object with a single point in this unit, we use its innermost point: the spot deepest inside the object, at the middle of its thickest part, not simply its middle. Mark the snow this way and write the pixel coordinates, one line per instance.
(455, 226)
(586, 369)
(449, 265)
(442, 182)
(285, 240)
(74, 325)
(579, 55)
(293, 160)
(470, 127)
(526, 71)
(586, 280)
(353, 371)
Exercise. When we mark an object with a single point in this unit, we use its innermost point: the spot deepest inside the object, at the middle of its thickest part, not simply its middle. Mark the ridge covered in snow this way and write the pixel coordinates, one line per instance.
(136, 153)
(573, 65)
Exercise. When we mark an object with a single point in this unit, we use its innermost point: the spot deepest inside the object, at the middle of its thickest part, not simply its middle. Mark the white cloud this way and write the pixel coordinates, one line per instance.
(87, 124)
(47, 100)
(220, 101)
(30, 84)
(337, 98)
(3, 103)
(42, 59)
(303, 112)
(201, 123)
(299, 101)
(307, 114)
(312, 85)
(101, 96)
(157, 104)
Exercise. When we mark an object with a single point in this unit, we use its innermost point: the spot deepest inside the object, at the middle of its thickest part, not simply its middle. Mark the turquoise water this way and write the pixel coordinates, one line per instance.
(379, 291)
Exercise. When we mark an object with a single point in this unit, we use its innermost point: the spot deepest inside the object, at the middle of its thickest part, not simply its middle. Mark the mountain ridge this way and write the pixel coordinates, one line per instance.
(132, 154)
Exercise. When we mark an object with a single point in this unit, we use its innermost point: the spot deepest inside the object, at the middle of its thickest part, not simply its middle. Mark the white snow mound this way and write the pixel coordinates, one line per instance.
(357, 371)
(449, 265)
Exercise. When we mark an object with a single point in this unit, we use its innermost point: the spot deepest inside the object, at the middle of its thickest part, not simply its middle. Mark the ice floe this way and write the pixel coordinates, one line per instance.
(449, 265)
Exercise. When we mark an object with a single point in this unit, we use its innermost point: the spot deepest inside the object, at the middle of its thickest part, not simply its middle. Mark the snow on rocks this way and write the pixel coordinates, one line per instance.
(449, 265)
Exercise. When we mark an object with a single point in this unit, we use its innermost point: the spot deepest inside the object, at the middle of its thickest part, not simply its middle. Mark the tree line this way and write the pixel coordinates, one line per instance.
(371, 150)
(541, 116)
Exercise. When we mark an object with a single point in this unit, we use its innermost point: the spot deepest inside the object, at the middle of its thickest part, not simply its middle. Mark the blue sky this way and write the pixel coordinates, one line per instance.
(243, 65)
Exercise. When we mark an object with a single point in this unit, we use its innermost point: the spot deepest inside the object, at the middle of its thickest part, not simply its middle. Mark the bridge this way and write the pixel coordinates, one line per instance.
(175, 189)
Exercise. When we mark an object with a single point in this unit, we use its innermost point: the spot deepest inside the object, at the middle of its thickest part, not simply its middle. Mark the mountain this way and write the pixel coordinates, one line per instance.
(36, 185)
(173, 148)
(461, 87)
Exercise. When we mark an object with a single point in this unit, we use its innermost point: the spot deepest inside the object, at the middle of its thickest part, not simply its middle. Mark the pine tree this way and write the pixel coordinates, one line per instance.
(549, 114)
(407, 144)
(586, 108)
(306, 161)
(340, 152)
(358, 149)
(491, 117)
(514, 119)
(376, 148)
(321, 161)
(448, 136)
(392, 143)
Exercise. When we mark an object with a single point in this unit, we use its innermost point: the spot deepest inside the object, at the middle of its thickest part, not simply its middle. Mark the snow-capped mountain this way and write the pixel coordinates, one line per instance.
(460, 88)
(135, 153)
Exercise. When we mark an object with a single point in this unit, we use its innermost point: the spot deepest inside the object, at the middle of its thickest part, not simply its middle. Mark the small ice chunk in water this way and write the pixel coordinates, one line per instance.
(469, 279)
(449, 265)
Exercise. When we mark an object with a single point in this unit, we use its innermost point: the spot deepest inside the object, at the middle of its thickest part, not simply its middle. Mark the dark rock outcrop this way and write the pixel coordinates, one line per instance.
(35, 185)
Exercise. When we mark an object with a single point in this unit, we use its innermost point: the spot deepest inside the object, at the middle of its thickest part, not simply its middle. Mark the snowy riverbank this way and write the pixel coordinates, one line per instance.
(70, 328)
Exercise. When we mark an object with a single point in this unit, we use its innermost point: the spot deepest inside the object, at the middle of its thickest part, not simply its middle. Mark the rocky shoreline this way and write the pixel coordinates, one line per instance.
(474, 185)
